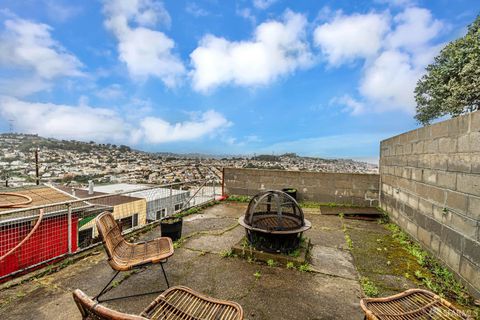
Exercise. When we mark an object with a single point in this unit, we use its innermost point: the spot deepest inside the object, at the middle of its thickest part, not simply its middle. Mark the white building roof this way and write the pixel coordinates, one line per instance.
(151, 194)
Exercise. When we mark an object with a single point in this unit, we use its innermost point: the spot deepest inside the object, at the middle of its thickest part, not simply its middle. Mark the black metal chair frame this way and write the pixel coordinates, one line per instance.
(104, 290)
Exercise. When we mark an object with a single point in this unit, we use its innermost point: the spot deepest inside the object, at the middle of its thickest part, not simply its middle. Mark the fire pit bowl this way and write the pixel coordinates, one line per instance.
(274, 222)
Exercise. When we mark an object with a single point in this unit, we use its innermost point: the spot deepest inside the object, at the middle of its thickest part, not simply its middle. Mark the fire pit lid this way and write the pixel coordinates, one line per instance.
(274, 211)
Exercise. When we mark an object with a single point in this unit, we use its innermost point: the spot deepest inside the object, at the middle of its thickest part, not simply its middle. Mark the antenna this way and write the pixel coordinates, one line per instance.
(10, 125)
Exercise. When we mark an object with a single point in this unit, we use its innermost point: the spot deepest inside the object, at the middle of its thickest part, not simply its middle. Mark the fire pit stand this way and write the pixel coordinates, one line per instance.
(274, 222)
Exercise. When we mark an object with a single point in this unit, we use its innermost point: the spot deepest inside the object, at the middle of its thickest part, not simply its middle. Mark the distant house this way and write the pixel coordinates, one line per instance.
(129, 211)
(49, 242)
(161, 202)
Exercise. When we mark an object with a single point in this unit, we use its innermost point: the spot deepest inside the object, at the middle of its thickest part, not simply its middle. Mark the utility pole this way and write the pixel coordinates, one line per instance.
(37, 173)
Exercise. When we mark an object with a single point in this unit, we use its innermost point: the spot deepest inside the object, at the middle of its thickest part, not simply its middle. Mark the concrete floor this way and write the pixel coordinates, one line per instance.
(331, 291)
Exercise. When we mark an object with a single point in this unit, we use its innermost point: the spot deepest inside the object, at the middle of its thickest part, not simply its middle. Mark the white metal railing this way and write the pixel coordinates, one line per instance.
(68, 227)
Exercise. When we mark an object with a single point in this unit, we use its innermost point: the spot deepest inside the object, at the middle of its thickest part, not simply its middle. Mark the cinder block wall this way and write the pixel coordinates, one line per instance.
(359, 189)
(430, 185)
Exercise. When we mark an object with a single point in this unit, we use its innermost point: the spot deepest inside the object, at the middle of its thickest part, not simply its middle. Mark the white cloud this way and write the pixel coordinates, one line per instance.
(64, 121)
(395, 53)
(196, 11)
(415, 27)
(390, 80)
(351, 105)
(263, 4)
(23, 86)
(84, 122)
(277, 48)
(61, 12)
(29, 46)
(145, 52)
(111, 92)
(247, 14)
(397, 3)
(157, 130)
(345, 38)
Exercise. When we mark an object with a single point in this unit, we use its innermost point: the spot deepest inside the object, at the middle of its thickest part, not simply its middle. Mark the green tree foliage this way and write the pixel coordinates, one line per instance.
(451, 85)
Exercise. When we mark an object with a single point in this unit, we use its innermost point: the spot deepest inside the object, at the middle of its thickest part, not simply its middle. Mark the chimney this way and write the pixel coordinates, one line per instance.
(73, 191)
(90, 187)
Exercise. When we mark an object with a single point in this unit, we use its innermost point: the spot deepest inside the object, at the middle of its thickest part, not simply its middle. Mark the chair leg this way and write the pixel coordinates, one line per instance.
(105, 288)
(165, 275)
(133, 295)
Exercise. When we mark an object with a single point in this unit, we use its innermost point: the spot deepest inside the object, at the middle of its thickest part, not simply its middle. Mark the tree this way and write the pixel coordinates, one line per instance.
(451, 85)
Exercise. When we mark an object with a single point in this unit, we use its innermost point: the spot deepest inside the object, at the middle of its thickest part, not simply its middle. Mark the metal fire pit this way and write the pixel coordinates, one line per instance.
(274, 222)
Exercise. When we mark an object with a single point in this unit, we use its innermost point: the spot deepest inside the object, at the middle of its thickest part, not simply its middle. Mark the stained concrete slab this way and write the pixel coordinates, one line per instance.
(333, 262)
(279, 293)
(216, 243)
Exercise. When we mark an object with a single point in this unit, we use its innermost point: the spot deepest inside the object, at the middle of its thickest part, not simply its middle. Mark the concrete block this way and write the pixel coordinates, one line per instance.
(413, 201)
(462, 224)
(425, 207)
(452, 238)
(424, 133)
(474, 207)
(429, 176)
(446, 179)
(412, 229)
(439, 214)
(407, 148)
(434, 226)
(431, 146)
(439, 129)
(475, 121)
(424, 236)
(399, 150)
(458, 125)
(417, 174)
(472, 251)
(447, 145)
(468, 183)
(470, 272)
(459, 162)
(450, 257)
(412, 160)
(435, 243)
(431, 193)
(457, 201)
(439, 162)
(417, 147)
(407, 173)
(474, 141)
(475, 161)
(463, 143)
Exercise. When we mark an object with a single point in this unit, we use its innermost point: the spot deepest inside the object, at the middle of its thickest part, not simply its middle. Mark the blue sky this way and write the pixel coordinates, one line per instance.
(320, 78)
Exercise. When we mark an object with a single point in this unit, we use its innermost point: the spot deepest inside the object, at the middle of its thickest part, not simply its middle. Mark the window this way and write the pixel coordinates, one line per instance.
(85, 237)
(160, 214)
(125, 223)
(135, 220)
(178, 206)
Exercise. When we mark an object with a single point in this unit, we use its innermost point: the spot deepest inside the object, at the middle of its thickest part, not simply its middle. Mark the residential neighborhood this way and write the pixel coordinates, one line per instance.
(70, 161)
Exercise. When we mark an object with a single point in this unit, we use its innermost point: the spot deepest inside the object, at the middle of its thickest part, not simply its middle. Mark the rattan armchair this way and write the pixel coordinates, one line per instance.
(410, 304)
(124, 256)
(175, 303)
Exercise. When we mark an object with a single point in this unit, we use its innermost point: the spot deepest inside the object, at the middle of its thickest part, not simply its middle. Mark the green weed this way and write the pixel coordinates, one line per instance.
(368, 287)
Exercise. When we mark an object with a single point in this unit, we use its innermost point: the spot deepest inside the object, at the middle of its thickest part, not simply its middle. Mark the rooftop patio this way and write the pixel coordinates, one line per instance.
(331, 290)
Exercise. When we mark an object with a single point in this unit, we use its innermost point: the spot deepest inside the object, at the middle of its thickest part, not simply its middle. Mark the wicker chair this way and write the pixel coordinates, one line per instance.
(175, 303)
(410, 304)
(124, 256)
